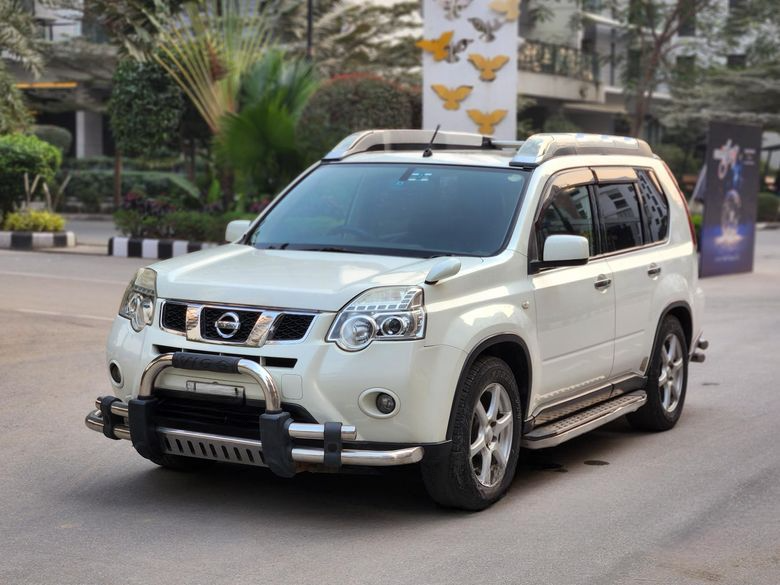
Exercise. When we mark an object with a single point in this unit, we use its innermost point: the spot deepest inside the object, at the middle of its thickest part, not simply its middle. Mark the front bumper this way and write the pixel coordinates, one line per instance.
(135, 420)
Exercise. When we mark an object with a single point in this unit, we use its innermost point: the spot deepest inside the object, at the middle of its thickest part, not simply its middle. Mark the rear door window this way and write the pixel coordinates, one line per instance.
(620, 216)
(654, 205)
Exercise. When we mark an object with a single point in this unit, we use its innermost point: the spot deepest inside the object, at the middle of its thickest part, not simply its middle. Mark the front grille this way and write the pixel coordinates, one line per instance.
(291, 327)
(286, 326)
(209, 316)
(221, 417)
(174, 316)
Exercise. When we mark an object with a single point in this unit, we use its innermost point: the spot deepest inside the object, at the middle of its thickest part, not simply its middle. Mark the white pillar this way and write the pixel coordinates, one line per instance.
(89, 134)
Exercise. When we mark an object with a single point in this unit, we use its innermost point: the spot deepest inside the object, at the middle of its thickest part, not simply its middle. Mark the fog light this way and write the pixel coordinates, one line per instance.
(115, 372)
(385, 403)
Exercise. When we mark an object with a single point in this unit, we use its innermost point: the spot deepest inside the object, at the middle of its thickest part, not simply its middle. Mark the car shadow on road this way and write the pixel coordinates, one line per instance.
(390, 495)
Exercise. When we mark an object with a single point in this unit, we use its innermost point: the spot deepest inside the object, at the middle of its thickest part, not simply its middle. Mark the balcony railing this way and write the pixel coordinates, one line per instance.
(551, 59)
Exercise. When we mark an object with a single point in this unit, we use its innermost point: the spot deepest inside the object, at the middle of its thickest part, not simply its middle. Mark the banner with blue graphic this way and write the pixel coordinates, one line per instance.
(731, 199)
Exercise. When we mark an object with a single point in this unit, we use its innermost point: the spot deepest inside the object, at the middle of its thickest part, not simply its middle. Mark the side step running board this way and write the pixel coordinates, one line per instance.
(586, 420)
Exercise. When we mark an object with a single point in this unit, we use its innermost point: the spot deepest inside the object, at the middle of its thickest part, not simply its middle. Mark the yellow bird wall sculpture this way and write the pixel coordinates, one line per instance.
(439, 48)
(452, 96)
(488, 66)
(509, 8)
(486, 120)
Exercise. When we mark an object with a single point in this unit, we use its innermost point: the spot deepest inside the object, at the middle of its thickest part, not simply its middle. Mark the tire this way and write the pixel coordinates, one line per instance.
(488, 398)
(667, 380)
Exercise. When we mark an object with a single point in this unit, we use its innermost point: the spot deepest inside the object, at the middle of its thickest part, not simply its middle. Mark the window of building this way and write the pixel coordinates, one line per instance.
(736, 61)
(633, 64)
(568, 212)
(619, 212)
(686, 65)
(655, 207)
(736, 6)
(687, 26)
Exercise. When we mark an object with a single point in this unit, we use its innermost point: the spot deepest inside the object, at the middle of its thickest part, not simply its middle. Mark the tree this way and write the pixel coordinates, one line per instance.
(132, 24)
(349, 37)
(651, 30)
(18, 42)
(145, 108)
(259, 141)
(207, 50)
(749, 93)
(348, 103)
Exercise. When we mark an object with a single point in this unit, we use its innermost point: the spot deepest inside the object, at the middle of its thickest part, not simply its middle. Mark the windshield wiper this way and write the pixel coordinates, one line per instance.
(331, 249)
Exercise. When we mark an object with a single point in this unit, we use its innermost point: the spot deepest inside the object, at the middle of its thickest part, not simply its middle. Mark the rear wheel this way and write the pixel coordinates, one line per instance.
(666, 382)
(485, 440)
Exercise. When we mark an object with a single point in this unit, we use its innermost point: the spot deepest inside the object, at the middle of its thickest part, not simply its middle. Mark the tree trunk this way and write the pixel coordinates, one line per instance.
(226, 182)
(191, 154)
(117, 179)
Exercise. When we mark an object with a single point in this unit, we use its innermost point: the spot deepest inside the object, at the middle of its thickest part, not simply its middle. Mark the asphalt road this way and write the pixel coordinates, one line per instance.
(698, 504)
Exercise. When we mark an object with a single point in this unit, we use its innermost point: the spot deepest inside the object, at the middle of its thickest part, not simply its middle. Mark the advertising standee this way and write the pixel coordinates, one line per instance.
(729, 222)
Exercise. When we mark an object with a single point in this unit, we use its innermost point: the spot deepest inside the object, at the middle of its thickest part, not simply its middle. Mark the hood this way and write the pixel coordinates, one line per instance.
(323, 281)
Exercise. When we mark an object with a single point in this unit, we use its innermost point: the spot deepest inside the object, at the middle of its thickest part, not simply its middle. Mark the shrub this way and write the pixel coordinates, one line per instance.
(350, 103)
(92, 188)
(144, 217)
(560, 123)
(54, 135)
(196, 226)
(696, 220)
(34, 221)
(768, 204)
(20, 154)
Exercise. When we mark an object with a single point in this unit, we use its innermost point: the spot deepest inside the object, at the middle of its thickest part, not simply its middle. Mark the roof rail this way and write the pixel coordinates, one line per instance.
(371, 140)
(540, 148)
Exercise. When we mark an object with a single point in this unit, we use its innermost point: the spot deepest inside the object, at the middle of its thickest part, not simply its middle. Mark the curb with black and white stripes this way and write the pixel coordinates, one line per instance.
(35, 240)
(153, 248)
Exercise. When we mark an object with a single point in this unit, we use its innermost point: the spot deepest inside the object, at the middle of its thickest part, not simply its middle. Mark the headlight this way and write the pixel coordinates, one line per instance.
(392, 313)
(138, 301)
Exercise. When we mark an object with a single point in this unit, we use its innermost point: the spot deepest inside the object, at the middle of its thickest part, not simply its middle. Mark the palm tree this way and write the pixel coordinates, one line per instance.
(18, 39)
(259, 140)
(18, 43)
(366, 36)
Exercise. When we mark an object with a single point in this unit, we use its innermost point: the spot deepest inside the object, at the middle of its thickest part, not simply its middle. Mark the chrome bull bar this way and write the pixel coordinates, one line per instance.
(134, 421)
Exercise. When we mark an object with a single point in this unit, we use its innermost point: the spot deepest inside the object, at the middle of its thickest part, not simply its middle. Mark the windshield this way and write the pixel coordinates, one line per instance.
(396, 209)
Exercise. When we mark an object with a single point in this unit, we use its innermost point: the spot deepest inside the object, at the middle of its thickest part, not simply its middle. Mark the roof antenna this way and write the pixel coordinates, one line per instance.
(428, 152)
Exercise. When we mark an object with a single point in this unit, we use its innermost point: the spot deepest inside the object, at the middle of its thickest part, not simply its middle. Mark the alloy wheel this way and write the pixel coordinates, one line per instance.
(670, 380)
(491, 435)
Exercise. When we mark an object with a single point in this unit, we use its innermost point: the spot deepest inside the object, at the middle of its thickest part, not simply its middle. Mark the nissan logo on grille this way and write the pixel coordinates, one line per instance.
(227, 325)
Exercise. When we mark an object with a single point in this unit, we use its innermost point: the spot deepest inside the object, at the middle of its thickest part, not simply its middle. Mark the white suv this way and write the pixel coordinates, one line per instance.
(444, 301)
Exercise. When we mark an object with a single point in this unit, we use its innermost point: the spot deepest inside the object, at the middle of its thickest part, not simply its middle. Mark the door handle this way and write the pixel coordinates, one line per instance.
(602, 282)
(653, 270)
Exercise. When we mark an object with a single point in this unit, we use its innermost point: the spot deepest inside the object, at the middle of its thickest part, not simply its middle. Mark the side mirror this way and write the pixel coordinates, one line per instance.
(235, 229)
(563, 250)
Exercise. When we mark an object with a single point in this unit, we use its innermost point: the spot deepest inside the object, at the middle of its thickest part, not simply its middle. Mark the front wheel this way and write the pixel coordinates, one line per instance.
(485, 440)
(667, 381)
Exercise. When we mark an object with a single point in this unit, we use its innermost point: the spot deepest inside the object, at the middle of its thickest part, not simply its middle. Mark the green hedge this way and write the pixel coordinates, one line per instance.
(768, 207)
(349, 103)
(94, 187)
(54, 135)
(196, 226)
(20, 154)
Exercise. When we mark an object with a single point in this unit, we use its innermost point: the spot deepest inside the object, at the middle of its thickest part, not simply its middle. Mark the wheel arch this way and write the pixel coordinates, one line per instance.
(681, 310)
(513, 350)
